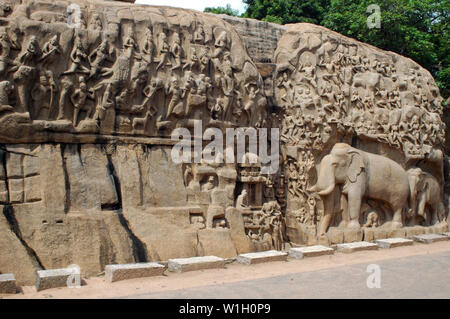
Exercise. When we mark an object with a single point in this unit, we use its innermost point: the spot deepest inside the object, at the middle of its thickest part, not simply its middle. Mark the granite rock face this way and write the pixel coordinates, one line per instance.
(91, 92)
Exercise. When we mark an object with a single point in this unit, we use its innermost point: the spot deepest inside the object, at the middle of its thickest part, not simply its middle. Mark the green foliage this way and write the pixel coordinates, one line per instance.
(223, 10)
(286, 11)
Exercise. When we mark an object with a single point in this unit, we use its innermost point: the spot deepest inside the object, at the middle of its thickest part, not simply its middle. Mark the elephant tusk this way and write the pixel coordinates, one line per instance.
(327, 191)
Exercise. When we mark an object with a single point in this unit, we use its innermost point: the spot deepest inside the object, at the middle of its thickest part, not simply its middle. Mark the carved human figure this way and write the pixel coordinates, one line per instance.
(6, 45)
(176, 101)
(284, 82)
(6, 88)
(176, 51)
(149, 46)
(98, 57)
(78, 99)
(77, 56)
(199, 35)
(209, 185)
(41, 95)
(32, 51)
(50, 51)
(22, 77)
(163, 50)
(242, 200)
(95, 23)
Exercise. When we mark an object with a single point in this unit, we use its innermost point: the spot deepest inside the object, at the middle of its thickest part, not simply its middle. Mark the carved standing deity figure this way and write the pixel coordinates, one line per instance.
(78, 99)
(163, 50)
(6, 88)
(149, 46)
(176, 51)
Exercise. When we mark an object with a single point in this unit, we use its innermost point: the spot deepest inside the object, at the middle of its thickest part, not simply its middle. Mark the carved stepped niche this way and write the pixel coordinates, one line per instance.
(91, 91)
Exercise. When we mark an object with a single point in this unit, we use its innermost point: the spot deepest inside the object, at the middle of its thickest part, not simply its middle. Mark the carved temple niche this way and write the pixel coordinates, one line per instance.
(81, 68)
(343, 100)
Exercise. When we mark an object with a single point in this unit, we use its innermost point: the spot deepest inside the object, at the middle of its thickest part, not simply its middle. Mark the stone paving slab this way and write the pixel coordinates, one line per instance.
(8, 284)
(131, 271)
(195, 263)
(55, 278)
(430, 238)
(393, 242)
(311, 251)
(358, 246)
(262, 257)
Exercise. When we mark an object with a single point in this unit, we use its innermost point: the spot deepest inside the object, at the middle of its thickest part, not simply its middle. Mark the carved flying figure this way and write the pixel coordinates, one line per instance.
(50, 51)
(176, 51)
(163, 50)
(97, 59)
(77, 56)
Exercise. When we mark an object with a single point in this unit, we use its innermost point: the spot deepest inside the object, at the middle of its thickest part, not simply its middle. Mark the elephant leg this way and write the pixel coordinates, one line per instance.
(324, 223)
(354, 209)
(345, 212)
(398, 217)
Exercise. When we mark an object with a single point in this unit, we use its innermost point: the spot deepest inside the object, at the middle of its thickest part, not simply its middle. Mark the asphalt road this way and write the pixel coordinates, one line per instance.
(424, 276)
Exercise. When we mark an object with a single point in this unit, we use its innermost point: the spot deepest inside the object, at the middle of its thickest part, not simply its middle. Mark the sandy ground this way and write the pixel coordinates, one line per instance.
(98, 287)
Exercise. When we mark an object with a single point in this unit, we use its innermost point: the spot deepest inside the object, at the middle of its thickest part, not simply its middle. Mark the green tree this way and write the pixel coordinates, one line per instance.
(286, 11)
(223, 10)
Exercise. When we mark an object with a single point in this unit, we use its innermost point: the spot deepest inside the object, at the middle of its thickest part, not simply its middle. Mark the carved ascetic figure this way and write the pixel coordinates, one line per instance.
(242, 200)
(78, 99)
(77, 56)
(426, 195)
(362, 175)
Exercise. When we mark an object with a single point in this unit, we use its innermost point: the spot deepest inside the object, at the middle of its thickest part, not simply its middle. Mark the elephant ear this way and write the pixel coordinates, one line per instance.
(356, 165)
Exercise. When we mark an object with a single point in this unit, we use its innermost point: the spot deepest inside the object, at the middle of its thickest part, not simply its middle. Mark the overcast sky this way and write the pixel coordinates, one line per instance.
(196, 4)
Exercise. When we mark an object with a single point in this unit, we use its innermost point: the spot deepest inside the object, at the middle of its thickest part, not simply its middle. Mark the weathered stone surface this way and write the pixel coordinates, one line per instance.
(430, 238)
(87, 174)
(180, 265)
(130, 271)
(446, 234)
(393, 242)
(262, 257)
(354, 247)
(311, 251)
(7, 284)
(56, 278)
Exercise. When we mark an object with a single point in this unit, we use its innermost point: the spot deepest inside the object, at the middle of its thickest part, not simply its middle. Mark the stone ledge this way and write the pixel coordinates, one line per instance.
(56, 278)
(358, 246)
(393, 242)
(311, 251)
(130, 271)
(8, 284)
(262, 257)
(181, 265)
(446, 234)
(430, 238)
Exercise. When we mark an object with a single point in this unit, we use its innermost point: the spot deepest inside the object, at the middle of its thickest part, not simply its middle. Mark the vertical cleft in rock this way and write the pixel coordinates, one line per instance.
(139, 249)
(66, 180)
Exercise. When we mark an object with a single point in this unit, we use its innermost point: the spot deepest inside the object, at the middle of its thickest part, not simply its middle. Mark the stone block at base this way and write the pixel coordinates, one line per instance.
(430, 238)
(7, 284)
(353, 247)
(393, 242)
(446, 234)
(195, 263)
(131, 271)
(56, 278)
(262, 257)
(311, 251)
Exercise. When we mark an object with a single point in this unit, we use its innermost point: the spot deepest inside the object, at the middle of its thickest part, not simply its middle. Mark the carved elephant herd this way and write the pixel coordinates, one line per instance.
(414, 196)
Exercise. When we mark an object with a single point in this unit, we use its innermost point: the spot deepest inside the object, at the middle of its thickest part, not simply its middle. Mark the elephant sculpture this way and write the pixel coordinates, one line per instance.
(361, 175)
(425, 192)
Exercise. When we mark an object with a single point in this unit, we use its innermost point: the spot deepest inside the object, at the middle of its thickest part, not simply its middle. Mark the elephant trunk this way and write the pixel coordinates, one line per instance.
(326, 180)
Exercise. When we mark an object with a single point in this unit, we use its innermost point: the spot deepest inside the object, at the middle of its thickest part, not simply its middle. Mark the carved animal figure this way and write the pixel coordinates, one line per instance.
(362, 175)
(426, 193)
